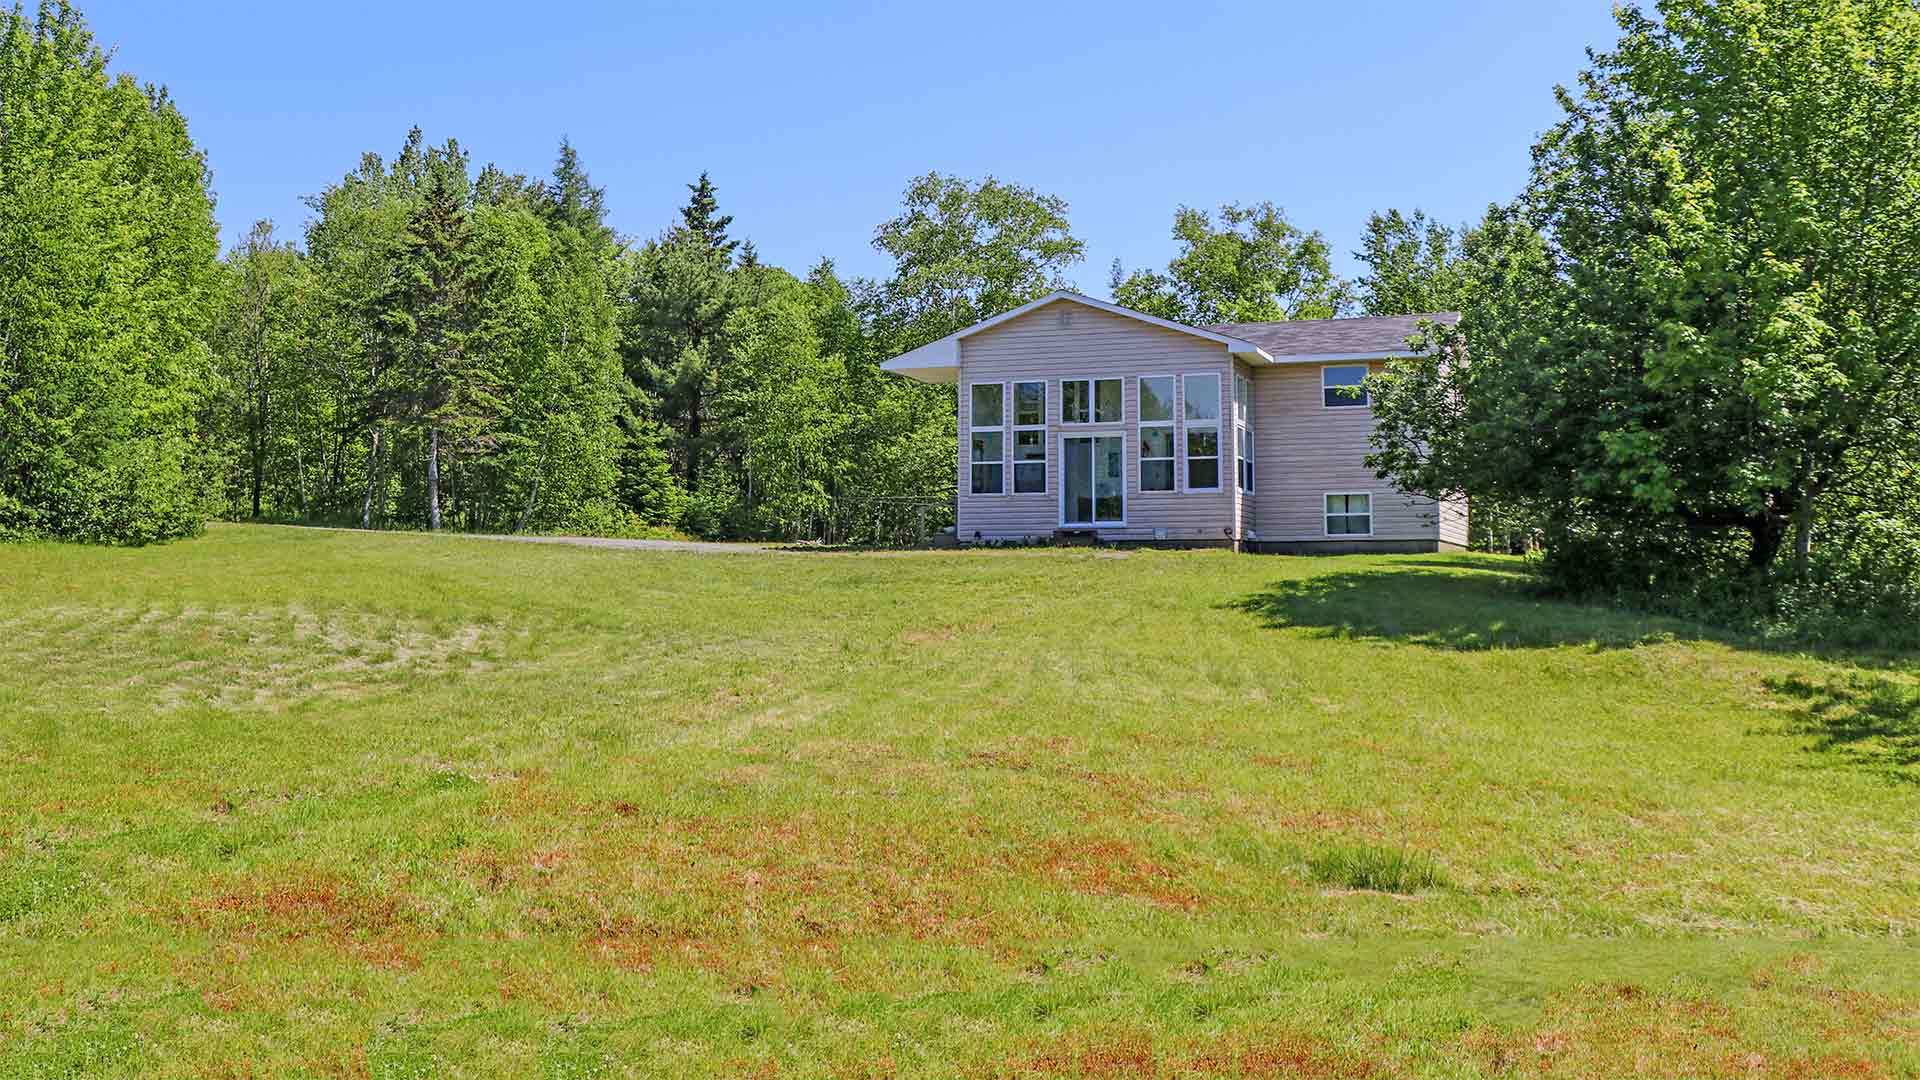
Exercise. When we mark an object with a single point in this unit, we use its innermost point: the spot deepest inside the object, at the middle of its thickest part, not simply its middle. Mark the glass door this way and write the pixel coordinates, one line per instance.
(1093, 480)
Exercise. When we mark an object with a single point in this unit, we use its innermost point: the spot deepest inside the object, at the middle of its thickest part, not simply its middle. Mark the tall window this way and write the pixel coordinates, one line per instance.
(1350, 514)
(1243, 429)
(1156, 433)
(1029, 438)
(1091, 401)
(986, 419)
(1203, 432)
(1340, 385)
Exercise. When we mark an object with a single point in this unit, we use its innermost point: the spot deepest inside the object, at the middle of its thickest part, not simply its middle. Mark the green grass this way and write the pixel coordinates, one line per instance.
(296, 803)
(1365, 866)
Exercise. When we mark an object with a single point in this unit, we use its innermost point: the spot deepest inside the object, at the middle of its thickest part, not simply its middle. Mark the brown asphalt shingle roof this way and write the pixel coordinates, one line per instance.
(1372, 335)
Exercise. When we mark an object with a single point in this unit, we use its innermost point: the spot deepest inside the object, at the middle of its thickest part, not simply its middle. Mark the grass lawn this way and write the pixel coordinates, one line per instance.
(281, 802)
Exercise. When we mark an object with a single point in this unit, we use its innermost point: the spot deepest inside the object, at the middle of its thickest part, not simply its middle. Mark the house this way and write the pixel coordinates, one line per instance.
(1081, 416)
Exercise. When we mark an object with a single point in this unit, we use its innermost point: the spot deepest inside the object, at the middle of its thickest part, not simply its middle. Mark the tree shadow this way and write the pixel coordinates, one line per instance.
(1451, 604)
(1861, 721)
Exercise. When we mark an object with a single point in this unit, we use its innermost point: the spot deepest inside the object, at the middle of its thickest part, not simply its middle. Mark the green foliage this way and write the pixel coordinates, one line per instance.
(1413, 265)
(108, 286)
(1255, 266)
(1697, 336)
(964, 251)
(447, 341)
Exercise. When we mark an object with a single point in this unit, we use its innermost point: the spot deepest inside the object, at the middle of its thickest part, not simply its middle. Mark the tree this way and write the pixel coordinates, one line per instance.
(1412, 265)
(428, 320)
(108, 286)
(1255, 266)
(701, 222)
(257, 344)
(680, 295)
(964, 251)
(1719, 332)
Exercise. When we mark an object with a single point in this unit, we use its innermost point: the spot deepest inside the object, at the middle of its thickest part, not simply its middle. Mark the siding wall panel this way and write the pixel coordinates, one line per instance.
(1304, 450)
(1068, 340)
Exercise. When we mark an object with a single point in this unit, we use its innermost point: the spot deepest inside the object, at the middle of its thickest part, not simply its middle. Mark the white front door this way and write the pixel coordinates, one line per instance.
(1093, 480)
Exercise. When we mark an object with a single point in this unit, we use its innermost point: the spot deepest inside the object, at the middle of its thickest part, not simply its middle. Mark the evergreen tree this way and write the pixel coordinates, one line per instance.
(427, 317)
(701, 221)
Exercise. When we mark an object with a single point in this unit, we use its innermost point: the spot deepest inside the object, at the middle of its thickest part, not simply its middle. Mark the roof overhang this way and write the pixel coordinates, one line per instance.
(1342, 358)
(939, 361)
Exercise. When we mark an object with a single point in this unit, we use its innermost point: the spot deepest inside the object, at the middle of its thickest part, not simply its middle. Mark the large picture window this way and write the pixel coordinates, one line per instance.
(1350, 514)
(1091, 401)
(986, 421)
(1029, 438)
(1202, 412)
(1341, 385)
(1156, 433)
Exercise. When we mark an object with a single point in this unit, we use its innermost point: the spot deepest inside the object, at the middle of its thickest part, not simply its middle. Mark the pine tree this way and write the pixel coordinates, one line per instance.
(427, 313)
(700, 220)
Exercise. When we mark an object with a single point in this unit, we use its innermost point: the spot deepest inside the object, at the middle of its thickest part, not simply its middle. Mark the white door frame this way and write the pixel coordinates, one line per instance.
(1061, 447)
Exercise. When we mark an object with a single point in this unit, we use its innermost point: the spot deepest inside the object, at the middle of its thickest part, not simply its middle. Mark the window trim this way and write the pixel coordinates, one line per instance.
(1327, 516)
(1171, 424)
(1013, 482)
(1186, 428)
(1245, 470)
(1366, 399)
(1000, 429)
(1093, 403)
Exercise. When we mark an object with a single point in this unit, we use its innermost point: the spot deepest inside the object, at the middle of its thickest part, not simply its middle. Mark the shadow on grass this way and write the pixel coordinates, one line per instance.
(1449, 604)
(1867, 722)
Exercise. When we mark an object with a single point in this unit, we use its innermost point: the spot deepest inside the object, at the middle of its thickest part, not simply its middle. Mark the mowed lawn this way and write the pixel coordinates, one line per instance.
(280, 802)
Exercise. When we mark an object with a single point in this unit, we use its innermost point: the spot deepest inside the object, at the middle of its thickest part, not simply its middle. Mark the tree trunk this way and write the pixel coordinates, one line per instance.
(433, 478)
(1769, 535)
(1803, 535)
(693, 446)
(533, 496)
(259, 451)
(373, 474)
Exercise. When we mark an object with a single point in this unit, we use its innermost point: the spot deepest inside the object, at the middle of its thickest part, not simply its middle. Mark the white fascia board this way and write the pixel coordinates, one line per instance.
(939, 361)
(1342, 358)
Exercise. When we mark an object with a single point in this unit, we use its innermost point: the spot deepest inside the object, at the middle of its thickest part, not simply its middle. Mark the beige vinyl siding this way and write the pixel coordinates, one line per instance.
(1069, 340)
(1453, 522)
(1303, 451)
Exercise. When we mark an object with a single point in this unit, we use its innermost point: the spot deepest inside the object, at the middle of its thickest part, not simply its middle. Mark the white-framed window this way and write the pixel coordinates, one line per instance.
(987, 424)
(1243, 430)
(1340, 386)
(1350, 513)
(1202, 412)
(1029, 438)
(1156, 432)
(1092, 401)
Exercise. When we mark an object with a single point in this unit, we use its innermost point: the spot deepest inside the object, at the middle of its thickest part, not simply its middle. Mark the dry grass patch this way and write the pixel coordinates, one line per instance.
(1104, 866)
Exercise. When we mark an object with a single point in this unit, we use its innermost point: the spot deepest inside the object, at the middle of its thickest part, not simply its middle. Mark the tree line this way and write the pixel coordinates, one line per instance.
(1688, 368)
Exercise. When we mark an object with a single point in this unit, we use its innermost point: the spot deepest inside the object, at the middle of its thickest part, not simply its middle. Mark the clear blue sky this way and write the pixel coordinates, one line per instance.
(812, 117)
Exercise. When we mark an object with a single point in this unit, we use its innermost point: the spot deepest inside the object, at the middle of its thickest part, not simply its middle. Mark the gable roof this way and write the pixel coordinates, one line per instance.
(939, 361)
(1301, 341)
(1305, 341)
